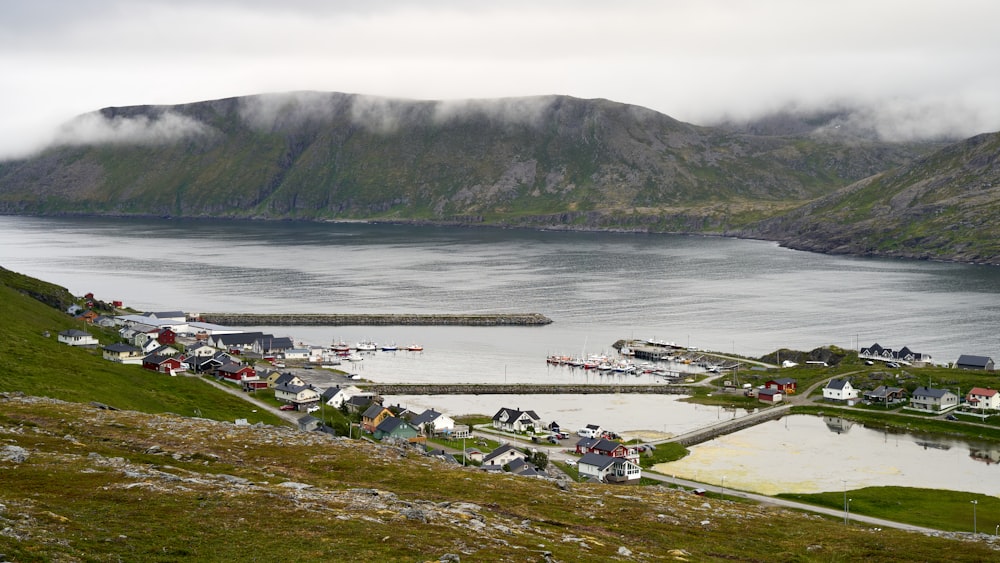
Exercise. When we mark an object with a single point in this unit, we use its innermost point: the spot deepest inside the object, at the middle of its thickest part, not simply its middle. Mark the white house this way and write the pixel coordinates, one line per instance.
(296, 394)
(608, 469)
(503, 455)
(927, 399)
(983, 399)
(442, 423)
(839, 390)
(75, 337)
(513, 420)
(336, 396)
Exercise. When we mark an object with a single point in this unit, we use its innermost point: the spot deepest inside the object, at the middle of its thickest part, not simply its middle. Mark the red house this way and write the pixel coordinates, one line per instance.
(236, 372)
(163, 364)
(784, 384)
(166, 336)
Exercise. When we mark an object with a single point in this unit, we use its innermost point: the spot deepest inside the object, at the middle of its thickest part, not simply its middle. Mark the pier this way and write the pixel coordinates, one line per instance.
(334, 319)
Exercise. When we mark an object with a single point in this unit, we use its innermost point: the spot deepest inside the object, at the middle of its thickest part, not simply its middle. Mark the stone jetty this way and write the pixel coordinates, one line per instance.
(321, 319)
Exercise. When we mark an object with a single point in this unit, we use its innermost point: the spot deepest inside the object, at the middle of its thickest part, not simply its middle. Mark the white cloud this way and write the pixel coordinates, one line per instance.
(693, 60)
(96, 128)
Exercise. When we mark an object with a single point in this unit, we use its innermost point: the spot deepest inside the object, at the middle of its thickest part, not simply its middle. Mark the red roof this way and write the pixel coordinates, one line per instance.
(982, 392)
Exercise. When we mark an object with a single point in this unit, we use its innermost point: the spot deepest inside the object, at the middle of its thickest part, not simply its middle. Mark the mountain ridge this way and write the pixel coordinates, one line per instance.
(553, 162)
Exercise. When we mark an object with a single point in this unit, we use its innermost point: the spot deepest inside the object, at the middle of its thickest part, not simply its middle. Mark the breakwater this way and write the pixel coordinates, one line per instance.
(729, 426)
(320, 319)
(520, 389)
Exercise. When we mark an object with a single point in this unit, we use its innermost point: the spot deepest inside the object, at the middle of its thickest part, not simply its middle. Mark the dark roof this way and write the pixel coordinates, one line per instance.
(373, 411)
(927, 392)
(74, 332)
(429, 415)
(359, 400)
(233, 368)
(499, 451)
(784, 381)
(155, 359)
(119, 347)
(768, 392)
(604, 445)
(597, 460)
(391, 424)
(296, 389)
(836, 384)
(587, 442)
(977, 361)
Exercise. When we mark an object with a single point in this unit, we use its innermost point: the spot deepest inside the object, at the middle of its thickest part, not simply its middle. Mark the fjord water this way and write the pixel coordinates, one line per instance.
(742, 296)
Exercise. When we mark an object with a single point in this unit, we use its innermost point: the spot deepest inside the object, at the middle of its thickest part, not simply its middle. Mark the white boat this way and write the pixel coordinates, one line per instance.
(355, 376)
(353, 358)
(389, 347)
(415, 348)
(366, 346)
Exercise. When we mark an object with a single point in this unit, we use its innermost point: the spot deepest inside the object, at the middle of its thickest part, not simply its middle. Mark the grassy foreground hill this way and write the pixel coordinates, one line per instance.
(144, 483)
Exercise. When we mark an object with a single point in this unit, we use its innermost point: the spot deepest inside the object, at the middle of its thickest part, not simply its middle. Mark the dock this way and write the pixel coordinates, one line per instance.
(336, 319)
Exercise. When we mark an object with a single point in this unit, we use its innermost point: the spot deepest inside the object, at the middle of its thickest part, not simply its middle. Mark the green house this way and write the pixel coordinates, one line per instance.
(395, 427)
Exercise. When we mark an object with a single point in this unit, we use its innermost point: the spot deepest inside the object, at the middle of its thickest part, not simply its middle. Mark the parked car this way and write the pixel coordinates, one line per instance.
(951, 417)
(287, 407)
(553, 439)
(313, 408)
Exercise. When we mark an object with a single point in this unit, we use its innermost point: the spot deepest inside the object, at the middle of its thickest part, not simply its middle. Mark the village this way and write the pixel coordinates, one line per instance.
(513, 440)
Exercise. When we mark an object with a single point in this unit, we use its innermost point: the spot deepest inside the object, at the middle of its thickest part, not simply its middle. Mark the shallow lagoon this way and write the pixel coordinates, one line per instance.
(809, 454)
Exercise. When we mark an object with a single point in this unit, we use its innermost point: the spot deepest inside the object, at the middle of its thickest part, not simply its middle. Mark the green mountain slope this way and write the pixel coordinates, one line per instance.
(942, 206)
(545, 161)
(34, 362)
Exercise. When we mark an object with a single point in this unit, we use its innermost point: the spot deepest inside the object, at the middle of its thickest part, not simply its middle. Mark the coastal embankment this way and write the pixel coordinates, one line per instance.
(334, 319)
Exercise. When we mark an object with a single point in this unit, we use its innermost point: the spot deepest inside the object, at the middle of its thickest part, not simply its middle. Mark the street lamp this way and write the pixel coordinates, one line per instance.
(723, 487)
(845, 501)
(974, 503)
(848, 513)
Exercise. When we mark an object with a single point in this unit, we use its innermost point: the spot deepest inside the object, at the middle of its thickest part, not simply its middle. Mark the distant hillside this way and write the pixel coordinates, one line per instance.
(942, 206)
(551, 161)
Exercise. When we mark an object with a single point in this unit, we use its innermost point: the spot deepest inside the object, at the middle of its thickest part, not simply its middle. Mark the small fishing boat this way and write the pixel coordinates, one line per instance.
(390, 347)
(414, 348)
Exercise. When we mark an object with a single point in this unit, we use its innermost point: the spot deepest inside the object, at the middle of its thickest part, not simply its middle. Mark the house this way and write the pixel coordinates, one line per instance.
(886, 395)
(301, 396)
(474, 455)
(608, 469)
(904, 355)
(166, 336)
(966, 361)
(309, 423)
(296, 354)
(236, 372)
(359, 403)
(983, 399)
(275, 379)
(210, 363)
(513, 420)
(175, 316)
(927, 399)
(374, 416)
(769, 395)
(441, 423)
(503, 455)
(163, 364)
(839, 390)
(272, 345)
(337, 396)
(75, 337)
(395, 427)
(123, 354)
(611, 448)
(784, 384)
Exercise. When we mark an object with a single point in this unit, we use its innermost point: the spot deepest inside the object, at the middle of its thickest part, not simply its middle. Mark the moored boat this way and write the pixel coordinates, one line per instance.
(414, 348)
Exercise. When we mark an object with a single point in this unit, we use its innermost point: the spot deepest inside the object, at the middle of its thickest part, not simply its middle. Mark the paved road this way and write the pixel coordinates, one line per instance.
(290, 416)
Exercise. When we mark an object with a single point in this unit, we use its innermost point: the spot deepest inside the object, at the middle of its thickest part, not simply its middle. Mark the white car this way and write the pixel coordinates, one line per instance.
(313, 408)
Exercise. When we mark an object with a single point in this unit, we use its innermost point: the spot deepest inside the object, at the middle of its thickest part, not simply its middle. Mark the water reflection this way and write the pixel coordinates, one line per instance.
(818, 453)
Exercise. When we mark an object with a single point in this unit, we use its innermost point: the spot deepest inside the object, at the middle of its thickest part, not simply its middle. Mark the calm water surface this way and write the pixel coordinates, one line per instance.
(746, 297)
(817, 454)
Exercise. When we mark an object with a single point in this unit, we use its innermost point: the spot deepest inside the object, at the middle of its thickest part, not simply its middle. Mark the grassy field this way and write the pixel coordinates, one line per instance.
(931, 508)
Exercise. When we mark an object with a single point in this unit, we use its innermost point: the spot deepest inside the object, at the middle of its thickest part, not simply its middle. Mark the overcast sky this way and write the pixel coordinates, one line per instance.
(926, 67)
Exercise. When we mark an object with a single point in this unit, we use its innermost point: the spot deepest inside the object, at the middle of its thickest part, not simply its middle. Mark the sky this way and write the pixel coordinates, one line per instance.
(911, 68)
